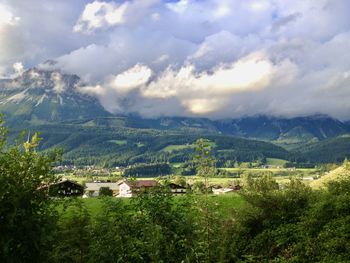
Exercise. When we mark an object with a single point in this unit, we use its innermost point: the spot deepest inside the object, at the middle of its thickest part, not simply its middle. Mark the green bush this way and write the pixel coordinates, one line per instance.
(105, 191)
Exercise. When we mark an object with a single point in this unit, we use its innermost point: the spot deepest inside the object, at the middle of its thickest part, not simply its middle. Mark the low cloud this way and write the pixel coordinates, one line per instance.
(18, 68)
(193, 92)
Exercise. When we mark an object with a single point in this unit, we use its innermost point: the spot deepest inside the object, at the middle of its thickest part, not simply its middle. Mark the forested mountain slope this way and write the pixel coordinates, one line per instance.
(50, 102)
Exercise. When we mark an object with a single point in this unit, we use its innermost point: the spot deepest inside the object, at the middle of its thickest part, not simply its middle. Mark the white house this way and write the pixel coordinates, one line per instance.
(130, 188)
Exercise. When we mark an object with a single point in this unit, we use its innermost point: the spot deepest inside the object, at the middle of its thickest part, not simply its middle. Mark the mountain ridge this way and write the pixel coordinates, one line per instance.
(39, 97)
(46, 96)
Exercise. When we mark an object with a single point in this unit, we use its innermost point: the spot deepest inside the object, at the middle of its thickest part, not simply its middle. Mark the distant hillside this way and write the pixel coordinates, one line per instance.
(331, 150)
(289, 133)
(347, 123)
(331, 176)
(285, 132)
(85, 143)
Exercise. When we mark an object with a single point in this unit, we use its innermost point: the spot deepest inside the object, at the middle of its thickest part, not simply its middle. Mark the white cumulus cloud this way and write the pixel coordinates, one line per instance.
(101, 14)
(213, 58)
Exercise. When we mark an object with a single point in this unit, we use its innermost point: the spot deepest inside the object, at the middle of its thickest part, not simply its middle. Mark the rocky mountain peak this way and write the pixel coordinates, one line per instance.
(48, 95)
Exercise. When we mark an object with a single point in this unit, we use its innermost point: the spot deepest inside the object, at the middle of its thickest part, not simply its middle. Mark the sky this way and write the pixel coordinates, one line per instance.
(203, 58)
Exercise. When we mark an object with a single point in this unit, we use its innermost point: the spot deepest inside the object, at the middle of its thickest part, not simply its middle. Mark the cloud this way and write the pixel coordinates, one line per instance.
(119, 86)
(131, 79)
(213, 58)
(6, 17)
(59, 85)
(178, 7)
(251, 72)
(126, 48)
(101, 14)
(18, 67)
(284, 21)
(38, 31)
(195, 93)
(97, 15)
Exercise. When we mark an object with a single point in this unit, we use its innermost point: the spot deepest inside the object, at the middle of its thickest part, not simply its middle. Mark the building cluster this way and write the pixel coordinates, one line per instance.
(82, 170)
(123, 188)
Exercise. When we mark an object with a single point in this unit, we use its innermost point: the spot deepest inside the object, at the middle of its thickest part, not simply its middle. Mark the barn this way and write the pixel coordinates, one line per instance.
(65, 188)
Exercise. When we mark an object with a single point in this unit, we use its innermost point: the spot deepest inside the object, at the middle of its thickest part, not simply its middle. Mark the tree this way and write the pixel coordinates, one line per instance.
(203, 159)
(180, 180)
(105, 191)
(205, 168)
(72, 235)
(27, 216)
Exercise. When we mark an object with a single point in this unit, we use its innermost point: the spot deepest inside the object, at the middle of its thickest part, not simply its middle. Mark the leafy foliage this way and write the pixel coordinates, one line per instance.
(293, 224)
(27, 214)
(105, 191)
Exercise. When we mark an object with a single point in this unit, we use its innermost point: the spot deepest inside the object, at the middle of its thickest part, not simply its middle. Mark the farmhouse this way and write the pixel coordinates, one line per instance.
(92, 189)
(64, 188)
(131, 188)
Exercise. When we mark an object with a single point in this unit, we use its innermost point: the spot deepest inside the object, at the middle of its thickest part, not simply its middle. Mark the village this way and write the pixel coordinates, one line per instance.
(124, 188)
(92, 181)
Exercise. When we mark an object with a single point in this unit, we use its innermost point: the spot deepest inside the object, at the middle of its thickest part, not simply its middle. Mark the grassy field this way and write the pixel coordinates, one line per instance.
(224, 204)
(273, 170)
(280, 174)
(276, 162)
(171, 148)
(338, 173)
(119, 142)
(231, 181)
(227, 203)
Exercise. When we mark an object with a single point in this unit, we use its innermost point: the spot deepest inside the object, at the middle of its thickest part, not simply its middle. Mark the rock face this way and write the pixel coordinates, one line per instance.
(46, 96)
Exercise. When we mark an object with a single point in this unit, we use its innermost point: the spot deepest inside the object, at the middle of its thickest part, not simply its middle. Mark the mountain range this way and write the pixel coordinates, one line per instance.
(49, 100)
(46, 96)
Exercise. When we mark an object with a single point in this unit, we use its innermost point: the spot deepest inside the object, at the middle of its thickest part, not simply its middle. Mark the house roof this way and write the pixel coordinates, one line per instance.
(61, 182)
(68, 181)
(97, 186)
(140, 183)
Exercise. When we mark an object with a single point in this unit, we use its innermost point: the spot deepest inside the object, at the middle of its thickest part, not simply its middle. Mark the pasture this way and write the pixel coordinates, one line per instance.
(224, 204)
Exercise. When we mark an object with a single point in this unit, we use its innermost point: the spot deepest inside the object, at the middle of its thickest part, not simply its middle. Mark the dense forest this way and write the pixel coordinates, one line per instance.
(109, 142)
(83, 144)
(329, 151)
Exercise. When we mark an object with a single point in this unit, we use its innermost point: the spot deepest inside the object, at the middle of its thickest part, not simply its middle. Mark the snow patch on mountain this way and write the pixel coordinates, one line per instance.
(17, 98)
(41, 100)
